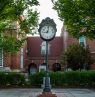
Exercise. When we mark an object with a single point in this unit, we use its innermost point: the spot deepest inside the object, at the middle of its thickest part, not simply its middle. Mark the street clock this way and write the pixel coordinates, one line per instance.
(47, 29)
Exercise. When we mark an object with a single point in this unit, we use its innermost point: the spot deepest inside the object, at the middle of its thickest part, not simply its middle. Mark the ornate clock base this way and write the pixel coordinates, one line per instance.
(46, 94)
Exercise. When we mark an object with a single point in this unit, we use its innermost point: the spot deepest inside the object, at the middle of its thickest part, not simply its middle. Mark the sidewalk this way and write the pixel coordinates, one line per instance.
(58, 92)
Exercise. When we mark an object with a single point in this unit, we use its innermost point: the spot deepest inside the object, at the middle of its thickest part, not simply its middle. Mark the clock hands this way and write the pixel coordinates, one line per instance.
(47, 29)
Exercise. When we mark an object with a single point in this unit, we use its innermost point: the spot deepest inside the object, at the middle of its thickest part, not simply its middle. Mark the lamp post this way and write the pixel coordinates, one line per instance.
(47, 30)
(47, 87)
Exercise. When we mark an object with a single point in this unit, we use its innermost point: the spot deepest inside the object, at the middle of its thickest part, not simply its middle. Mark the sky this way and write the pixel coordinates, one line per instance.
(46, 10)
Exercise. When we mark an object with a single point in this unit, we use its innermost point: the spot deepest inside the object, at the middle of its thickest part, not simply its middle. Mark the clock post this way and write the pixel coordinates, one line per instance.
(47, 30)
(47, 87)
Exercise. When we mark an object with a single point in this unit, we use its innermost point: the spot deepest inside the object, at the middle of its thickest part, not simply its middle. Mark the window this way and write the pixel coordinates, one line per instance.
(43, 48)
(42, 68)
(82, 41)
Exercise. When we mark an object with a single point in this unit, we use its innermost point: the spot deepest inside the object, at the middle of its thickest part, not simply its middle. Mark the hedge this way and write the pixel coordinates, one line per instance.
(58, 79)
(36, 79)
(11, 79)
(67, 79)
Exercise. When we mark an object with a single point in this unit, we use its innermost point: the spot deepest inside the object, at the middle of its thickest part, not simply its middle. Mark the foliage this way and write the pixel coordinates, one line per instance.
(58, 79)
(15, 79)
(78, 16)
(66, 79)
(11, 79)
(16, 16)
(76, 78)
(36, 79)
(3, 80)
(77, 57)
(11, 44)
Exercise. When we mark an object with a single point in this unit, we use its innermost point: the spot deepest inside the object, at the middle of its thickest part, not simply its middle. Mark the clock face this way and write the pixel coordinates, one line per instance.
(47, 32)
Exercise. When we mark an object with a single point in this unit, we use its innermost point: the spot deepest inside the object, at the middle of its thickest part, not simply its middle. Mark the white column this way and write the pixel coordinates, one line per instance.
(2, 57)
(65, 39)
(21, 58)
(1, 51)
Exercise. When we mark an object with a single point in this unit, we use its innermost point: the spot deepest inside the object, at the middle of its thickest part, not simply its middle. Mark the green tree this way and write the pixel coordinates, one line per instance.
(77, 57)
(78, 16)
(21, 12)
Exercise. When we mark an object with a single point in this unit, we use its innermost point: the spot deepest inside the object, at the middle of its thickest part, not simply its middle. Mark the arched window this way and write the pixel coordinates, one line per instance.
(32, 68)
(56, 67)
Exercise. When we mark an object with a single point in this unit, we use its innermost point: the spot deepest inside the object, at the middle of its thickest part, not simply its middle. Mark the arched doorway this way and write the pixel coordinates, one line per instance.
(32, 68)
(56, 67)
(42, 67)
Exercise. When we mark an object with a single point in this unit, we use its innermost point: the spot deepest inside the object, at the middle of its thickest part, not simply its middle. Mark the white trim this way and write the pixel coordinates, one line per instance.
(1, 52)
(65, 35)
(21, 58)
(2, 58)
(93, 52)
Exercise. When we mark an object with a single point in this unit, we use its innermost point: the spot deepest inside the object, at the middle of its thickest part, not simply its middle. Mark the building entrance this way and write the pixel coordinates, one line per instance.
(32, 68)
(56, 67)
(42, 67)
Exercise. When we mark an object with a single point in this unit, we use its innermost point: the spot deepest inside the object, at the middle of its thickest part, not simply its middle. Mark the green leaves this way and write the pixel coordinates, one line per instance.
(10, 44)
(14, 9)
(18, 16)
(77, 57)
(77, 16)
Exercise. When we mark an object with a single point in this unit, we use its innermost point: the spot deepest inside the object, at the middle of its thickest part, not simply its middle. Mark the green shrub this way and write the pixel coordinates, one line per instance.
(60, 79)
(87, 78)
(72, 78)
(15, 79)
(9, 79)
(36, 79)
(84, 78)
(3, 79)
(57, 78)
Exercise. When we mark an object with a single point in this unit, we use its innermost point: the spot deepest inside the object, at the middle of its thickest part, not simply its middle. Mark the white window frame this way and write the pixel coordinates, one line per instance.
(84, 40)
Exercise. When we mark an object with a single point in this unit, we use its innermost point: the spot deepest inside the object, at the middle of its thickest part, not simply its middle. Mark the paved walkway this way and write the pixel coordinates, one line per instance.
(58, 92)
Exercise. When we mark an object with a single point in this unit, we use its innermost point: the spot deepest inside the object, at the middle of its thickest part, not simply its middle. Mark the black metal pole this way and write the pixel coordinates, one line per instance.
(47, 87)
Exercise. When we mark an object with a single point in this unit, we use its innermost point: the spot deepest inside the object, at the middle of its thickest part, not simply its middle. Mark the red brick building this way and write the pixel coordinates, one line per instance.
(31, 56)
(35, 58)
